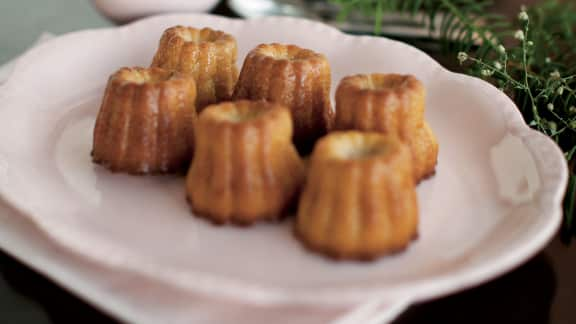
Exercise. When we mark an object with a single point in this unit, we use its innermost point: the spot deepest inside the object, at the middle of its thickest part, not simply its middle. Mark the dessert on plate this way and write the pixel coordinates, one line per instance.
(295, 77)
(356, 198)
(145, 122)
(424, 146)
(207, 55)
(245, 167)
(392, 104)
(359, 200)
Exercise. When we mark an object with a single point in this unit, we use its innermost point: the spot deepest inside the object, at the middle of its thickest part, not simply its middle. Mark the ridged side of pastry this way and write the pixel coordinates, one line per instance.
(359, 201)
(207, 55)
(424, 146)
(145, 122)
(293, 76)
(245, 167)
(392, 104)
(389, 103)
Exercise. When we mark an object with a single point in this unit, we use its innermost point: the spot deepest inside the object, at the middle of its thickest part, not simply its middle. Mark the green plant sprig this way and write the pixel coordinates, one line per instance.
(461, 24)
(536, 70)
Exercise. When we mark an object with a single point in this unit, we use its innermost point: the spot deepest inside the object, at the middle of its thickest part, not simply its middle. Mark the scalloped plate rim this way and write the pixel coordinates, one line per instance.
(237, 289)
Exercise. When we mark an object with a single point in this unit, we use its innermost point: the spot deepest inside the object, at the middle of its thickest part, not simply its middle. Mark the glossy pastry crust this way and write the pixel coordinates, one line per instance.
(145, 122)
(208, 55)
(359, 201)
(245, 168)
(296, 77)
(392, 104)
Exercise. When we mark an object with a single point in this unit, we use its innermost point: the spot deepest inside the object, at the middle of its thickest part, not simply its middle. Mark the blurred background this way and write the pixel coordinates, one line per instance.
(24, 20)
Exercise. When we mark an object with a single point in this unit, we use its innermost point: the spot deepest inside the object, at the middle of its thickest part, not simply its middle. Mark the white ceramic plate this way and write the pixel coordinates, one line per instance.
(135, 299)
(494, 202)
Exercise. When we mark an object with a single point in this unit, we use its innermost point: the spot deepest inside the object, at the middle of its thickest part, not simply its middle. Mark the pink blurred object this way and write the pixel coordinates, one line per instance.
(123, 11)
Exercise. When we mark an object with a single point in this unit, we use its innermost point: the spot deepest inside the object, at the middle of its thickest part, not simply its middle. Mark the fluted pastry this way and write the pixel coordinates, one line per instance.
(207, 55)
(145, 122)
(359, 201)
(424, 146)
(392, 104)
(245, 167)
(296, 77)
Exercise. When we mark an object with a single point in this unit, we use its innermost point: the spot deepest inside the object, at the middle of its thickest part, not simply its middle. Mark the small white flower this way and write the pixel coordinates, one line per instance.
(501, 49)
(497, 65)
(550, 106)
(519, 35)
(572, 110)
(560, 90)
(523, 16)
(548, 60)
(530, 43)
(555, 75)
(462, 57)
(486, 72)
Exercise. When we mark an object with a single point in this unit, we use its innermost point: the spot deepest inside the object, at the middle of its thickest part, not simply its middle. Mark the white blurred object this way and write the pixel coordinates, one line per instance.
(262, 8)
(122, 11)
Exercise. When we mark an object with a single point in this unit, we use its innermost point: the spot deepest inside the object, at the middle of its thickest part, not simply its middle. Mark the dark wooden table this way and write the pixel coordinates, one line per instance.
(543, 290)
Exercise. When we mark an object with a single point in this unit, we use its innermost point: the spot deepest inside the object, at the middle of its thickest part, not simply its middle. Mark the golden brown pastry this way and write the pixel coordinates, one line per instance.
(206, 54)
(359, 201)
(424, 148)
(245, 167)
(145, 122)
(392, 104)
(296, 77)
